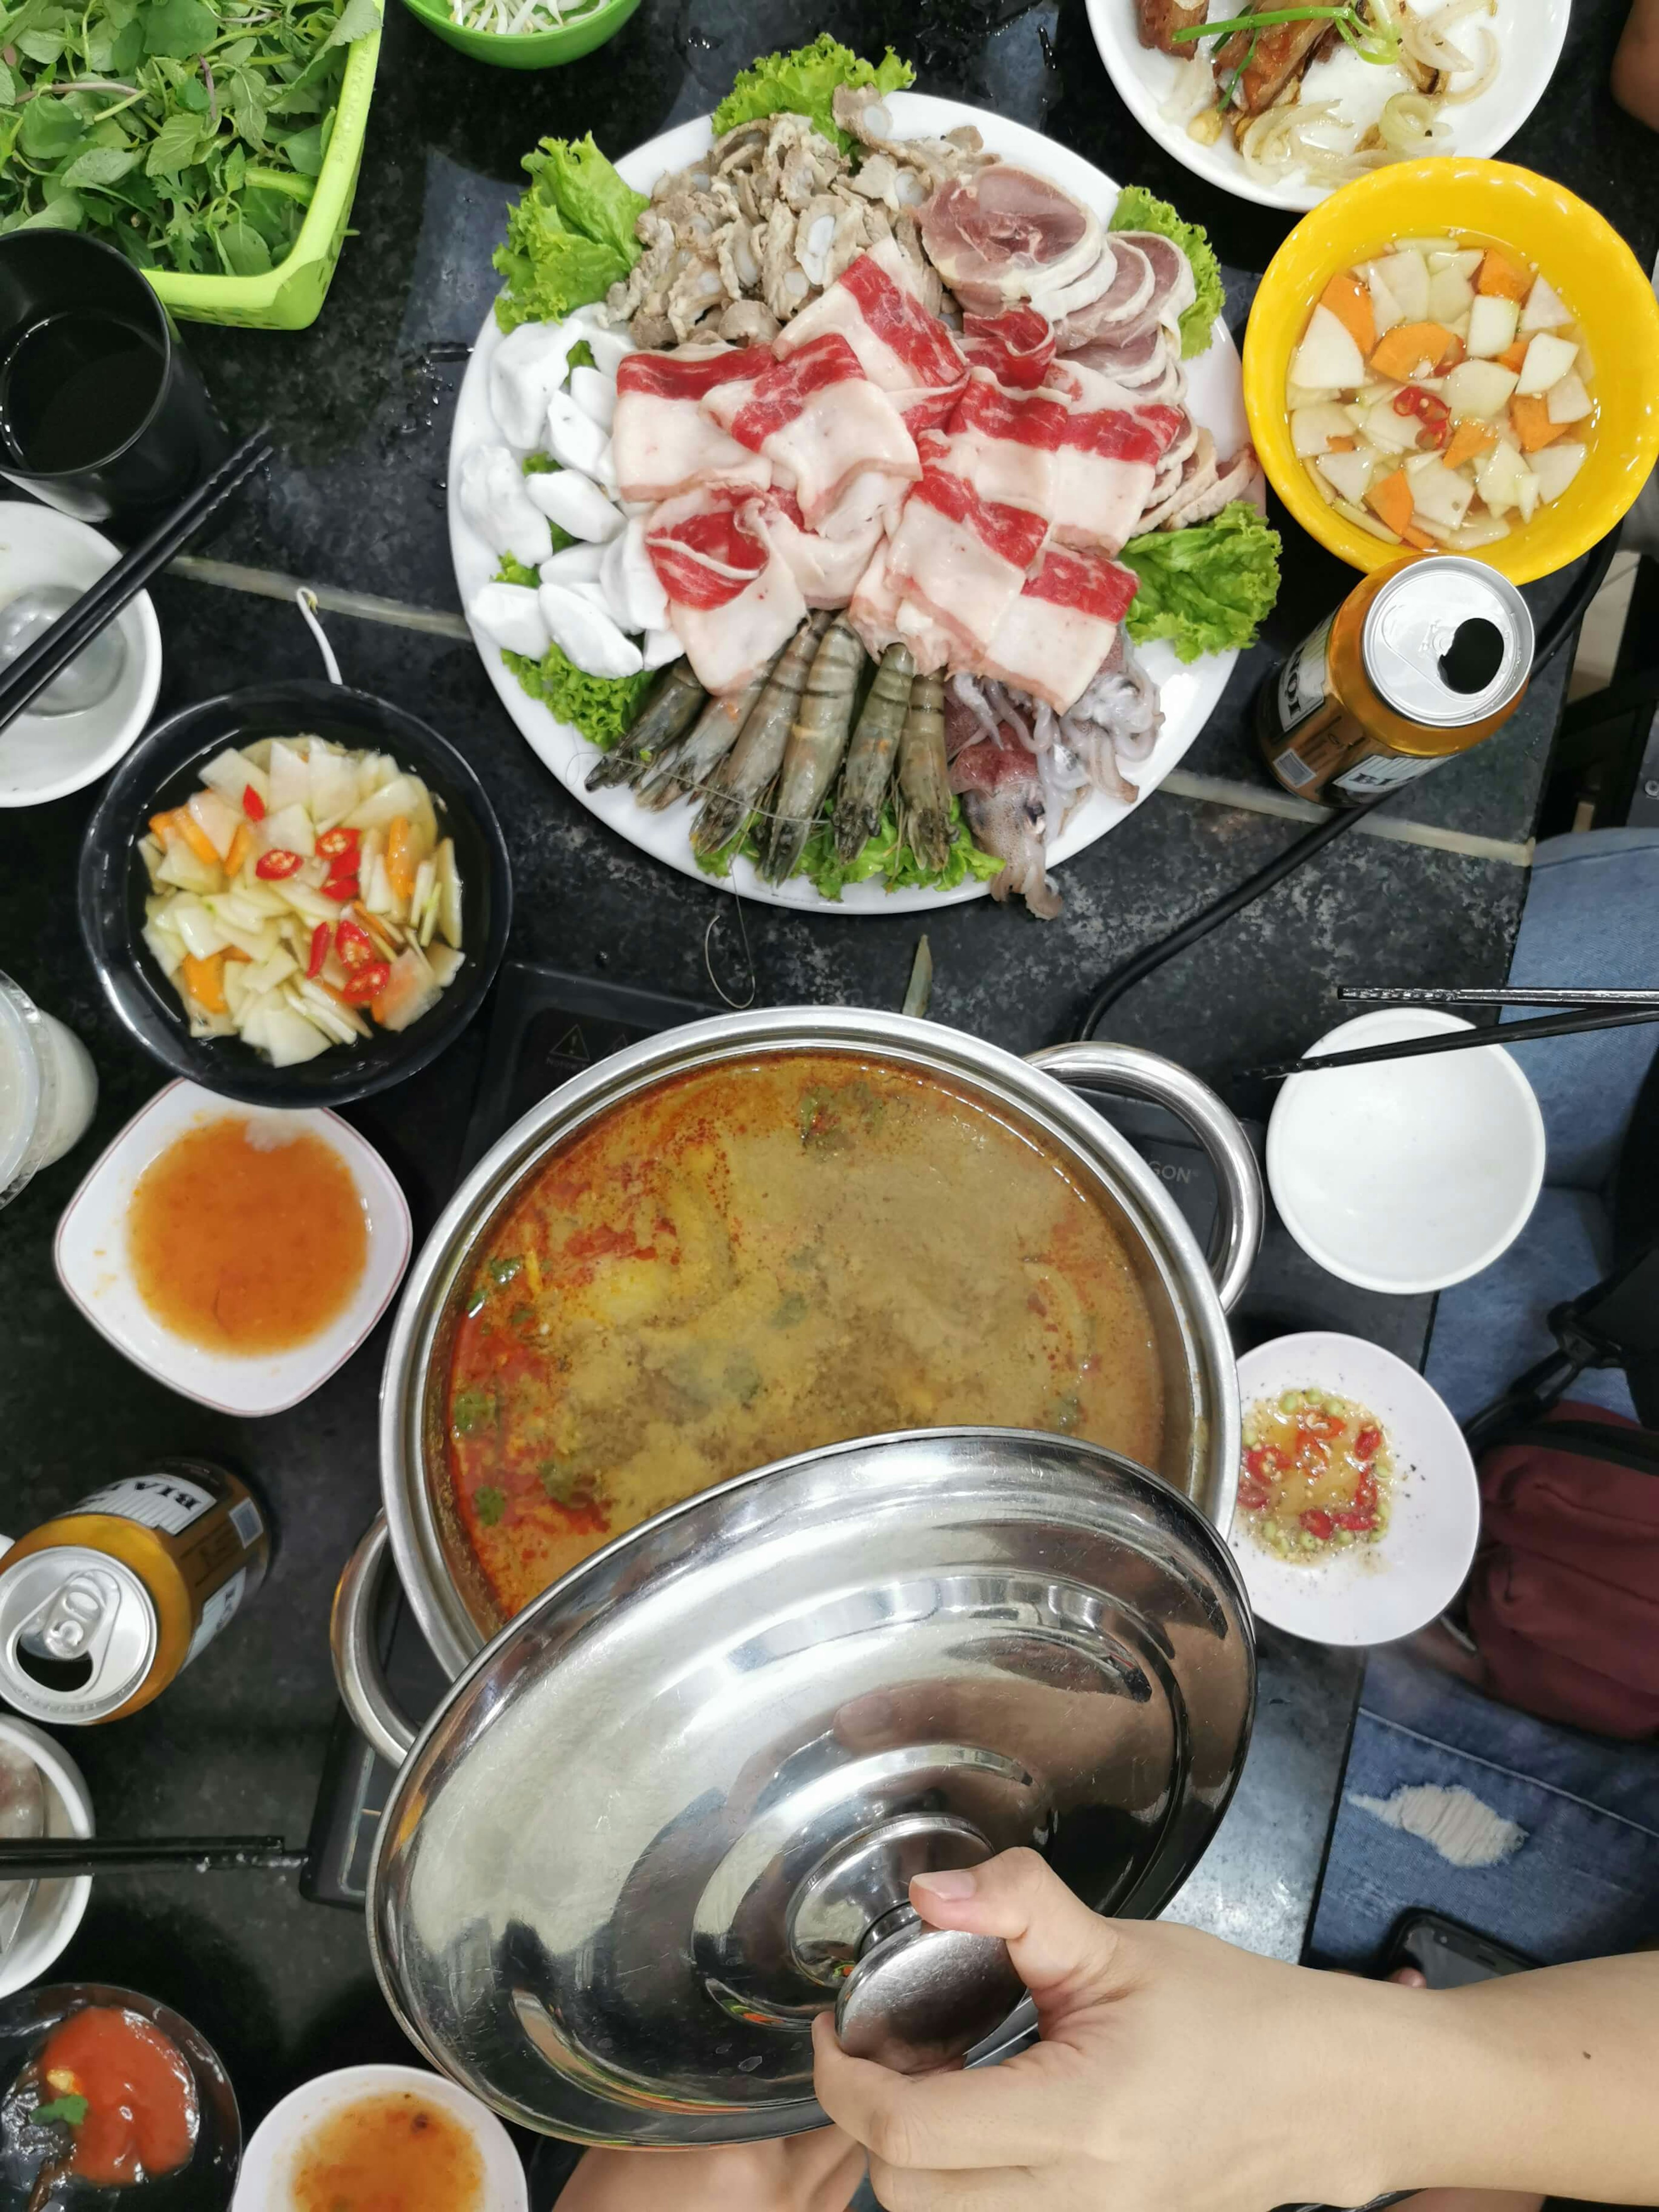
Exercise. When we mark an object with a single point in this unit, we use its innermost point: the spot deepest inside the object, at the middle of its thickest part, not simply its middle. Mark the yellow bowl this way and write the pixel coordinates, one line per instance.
(1583, 257)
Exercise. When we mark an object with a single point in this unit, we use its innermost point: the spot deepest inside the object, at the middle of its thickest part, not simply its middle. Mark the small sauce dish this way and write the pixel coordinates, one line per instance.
(96, 1262)
(291, 2133)
(1372, 1592)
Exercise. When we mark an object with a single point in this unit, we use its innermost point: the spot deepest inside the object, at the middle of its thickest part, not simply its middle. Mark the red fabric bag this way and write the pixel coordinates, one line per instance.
(1564, 1596)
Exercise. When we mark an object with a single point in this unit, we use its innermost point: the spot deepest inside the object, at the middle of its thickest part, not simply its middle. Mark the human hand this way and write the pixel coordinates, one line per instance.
(1173, 2070)
(815, 2172)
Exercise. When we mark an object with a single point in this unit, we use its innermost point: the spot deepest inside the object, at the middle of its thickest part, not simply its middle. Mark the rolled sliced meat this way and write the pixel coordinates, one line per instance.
(1130, 359)
(1172, 273)
(1117, 308)
(1006, 235)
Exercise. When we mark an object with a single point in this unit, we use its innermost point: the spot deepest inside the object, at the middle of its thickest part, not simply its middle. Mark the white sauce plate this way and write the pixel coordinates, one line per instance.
(1370, 1593)
(266, 2183)
(1529, 33)
(92, 1264)
(1188, 693)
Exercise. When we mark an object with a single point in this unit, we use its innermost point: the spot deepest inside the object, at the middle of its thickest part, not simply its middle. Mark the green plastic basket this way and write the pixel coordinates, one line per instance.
(291, 296)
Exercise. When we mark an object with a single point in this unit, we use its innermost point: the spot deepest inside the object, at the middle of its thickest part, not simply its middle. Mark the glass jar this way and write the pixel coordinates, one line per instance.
(48, 1089)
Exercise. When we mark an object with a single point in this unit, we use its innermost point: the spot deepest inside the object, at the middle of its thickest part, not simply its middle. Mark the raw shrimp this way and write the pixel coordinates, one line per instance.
(687, 765)
(748, 770)
(817, 744)
(675, 698)
(870, 757)
(923, 776)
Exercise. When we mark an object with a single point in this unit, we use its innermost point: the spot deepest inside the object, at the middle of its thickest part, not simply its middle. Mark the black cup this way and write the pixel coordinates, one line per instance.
(102, 412)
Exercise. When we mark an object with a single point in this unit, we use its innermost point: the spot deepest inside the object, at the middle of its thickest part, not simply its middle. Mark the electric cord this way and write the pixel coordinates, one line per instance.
(1562, 625)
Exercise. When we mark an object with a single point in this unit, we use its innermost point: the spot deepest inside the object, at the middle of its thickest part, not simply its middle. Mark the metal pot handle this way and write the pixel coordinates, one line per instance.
(357, 1669)
(1239, 1209)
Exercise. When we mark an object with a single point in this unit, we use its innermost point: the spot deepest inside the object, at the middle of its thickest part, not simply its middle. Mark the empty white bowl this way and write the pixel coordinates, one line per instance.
(54, 1912)
(1370, 1593)
(267, 2181)
(92, 1265)
(1409, 1174)
(44, 756)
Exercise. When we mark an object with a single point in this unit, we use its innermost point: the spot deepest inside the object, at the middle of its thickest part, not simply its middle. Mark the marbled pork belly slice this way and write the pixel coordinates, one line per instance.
(663, 442)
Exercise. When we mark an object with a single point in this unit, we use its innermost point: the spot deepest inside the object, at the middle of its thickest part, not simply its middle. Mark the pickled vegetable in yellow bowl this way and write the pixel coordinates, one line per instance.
(1581, 256)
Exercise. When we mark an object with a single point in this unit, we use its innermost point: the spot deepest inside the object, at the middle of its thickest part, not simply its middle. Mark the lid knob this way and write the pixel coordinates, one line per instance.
(921, 1996)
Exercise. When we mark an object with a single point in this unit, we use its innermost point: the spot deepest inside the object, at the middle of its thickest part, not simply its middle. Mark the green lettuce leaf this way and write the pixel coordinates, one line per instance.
(1206, 587)
(511, 570)
(804, 83)
(571, 236)
(884, 854)
(1138, 210)
(600, 706)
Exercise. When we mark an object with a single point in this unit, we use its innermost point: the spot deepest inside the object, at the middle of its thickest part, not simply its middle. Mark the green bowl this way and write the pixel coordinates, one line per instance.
(527, 50)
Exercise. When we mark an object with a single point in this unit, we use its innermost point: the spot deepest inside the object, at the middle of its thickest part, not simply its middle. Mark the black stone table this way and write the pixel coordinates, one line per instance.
(353, 506)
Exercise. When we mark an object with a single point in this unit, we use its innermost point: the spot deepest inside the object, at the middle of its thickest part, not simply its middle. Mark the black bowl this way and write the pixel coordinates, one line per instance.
(161, 771)
(205, 2184)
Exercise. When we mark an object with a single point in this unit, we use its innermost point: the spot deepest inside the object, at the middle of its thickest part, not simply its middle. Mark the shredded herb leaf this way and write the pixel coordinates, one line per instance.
(187, 133)
(71, 2110)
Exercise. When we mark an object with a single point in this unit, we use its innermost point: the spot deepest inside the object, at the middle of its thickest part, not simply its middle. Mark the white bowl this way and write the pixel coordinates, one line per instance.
(44, 756)
(92, 1265)
(1370, 1593)
(266, 2183)
(54, 1912)
(1532, 33)
(1409, 1174)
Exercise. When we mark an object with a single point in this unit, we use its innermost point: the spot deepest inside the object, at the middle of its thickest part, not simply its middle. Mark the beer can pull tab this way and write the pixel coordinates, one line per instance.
(77, 1631)
(70, 1620)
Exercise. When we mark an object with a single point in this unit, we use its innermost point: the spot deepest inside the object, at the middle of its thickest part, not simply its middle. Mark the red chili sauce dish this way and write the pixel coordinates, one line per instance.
(123, 2091)
(1317, 1477)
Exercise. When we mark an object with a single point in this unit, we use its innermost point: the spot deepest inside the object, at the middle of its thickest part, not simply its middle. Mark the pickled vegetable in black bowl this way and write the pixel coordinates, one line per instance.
(169, 775)
(110, 2098)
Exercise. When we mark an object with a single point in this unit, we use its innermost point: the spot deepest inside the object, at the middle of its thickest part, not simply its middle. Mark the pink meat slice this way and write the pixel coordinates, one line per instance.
(1172, 273)
(1054, 637)
(961, 559)
(826, 429)
(1137, 358)
(1117, 307)
(662, 442)
(827, 570)
(731, 600)
(995, 236)
(1017, 347)
(1004, 444)
(900, 346)
(1110, 453)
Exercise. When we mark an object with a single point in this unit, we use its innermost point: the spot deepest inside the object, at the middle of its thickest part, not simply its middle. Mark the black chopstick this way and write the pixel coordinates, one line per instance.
(1418, 1048)
(100, 603)
(1511, 994)
(63, 1858)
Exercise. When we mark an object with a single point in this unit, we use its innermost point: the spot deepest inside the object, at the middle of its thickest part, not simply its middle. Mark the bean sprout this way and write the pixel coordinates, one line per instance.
(511, 19)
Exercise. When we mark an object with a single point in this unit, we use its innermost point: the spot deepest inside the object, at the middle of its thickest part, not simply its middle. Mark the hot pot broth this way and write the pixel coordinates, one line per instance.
(753, 1260)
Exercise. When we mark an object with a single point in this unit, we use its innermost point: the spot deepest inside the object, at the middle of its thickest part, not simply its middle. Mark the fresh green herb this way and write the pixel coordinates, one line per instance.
(570, 238)
(885, 855)
(580, 356)
(503, 1271)
(490, 1505)
(1206, 587)
(601, 706)
(572, 1487)
(805, 83)
(470, 1409)
(790, 1312)
(187, 133)
(71, 2110)
(540, 465)
(1375, 42)
(1139, 210)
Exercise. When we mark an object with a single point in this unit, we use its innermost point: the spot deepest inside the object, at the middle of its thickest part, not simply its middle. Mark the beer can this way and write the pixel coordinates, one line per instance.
(101, 1607)
(1421, 662)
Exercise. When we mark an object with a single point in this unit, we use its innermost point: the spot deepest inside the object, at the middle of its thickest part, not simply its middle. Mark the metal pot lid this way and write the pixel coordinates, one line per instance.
(671, 1812)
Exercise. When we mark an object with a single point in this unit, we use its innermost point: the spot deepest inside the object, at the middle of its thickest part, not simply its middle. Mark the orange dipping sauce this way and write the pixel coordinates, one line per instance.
(392, 2154)
(243, 1239)
(141, 2113)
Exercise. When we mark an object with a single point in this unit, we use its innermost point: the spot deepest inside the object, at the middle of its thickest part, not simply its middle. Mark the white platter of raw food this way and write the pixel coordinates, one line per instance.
(1188, 693)
(1529, 34)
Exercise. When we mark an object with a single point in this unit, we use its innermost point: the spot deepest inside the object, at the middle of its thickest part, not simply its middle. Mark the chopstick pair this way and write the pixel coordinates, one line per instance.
(61, 1858)
(1568, 1024)
(100, 603)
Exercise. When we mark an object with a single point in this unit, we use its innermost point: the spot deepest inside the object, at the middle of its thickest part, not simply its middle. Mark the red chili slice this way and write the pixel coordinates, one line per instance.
(367, 983)
(343, 887)
(354, 944)
(252, 805)
(1264, 1460)
(1318, 1524)
(334, 842)
(1252, 1496)
(279, 863)
(1366, 1442)
(319, 938)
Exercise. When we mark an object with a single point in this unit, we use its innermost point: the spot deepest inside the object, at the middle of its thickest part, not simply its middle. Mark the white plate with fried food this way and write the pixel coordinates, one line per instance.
(1187, 692)
(1315, 101)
